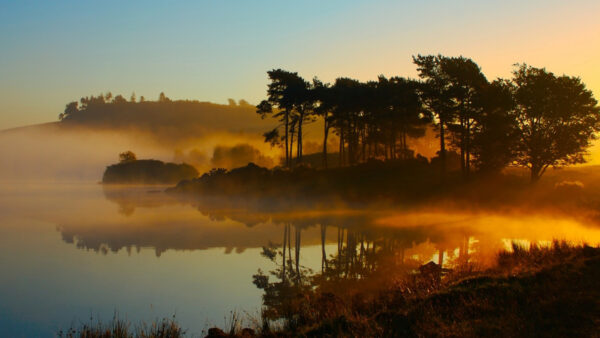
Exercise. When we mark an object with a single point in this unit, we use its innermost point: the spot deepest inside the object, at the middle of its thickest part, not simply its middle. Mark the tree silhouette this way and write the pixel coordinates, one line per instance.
(466, 84)
(163, 98)
(403, 113)
(272, 137)
(437, 96)
(71, 109)
(556, 118)
(323, 106)
(287, 93)
(119, 99)
(495, 138)
(127, 156)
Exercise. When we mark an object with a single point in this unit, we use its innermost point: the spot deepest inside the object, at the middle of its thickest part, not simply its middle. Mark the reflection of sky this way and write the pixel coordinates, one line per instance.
(47, 283)
(57, 51)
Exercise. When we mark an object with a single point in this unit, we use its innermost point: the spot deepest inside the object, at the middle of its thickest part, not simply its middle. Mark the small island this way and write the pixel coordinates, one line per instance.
(130, 170)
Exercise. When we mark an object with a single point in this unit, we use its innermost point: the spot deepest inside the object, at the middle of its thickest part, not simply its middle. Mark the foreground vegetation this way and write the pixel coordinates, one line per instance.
(122, 328)
(535, 291)
(549, 291)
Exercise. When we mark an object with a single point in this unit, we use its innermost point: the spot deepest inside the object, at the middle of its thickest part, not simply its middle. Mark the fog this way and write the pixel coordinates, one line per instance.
(79, 153)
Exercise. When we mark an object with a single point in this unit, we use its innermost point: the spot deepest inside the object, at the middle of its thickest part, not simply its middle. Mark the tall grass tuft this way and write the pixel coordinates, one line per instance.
(122, 328)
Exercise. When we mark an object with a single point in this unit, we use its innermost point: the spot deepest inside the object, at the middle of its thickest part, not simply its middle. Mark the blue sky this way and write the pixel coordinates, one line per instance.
(53, 52)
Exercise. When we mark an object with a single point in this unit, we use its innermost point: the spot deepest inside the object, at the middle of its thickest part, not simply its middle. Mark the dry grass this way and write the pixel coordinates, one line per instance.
(122, 328)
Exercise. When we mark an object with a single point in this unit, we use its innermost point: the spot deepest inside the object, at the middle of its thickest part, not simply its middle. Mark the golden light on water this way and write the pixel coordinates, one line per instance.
(483, 235)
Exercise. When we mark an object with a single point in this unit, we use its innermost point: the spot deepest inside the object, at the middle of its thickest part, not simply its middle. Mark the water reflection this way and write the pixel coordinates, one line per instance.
(376, 247)
(150, 218)
(190, 237)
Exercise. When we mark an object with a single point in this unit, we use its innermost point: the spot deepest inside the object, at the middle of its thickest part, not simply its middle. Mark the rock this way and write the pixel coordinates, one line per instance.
(216, 332)
(248, 332)
(430, 269)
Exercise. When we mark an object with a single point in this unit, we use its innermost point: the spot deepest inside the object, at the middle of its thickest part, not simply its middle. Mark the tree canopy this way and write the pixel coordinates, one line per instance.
(535, 119)
(556, 116)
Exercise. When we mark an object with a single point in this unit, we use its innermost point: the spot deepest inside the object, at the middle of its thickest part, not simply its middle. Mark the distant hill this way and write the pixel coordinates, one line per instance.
(48, 126)
(83, 142)
(170, 119)
(148, 172)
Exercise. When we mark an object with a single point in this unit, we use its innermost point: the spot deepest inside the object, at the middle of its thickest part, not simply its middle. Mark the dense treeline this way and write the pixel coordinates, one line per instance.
(535, 119)
(73, 109)
(168, 121)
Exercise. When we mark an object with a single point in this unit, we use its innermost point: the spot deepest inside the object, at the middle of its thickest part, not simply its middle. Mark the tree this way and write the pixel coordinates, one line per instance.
(70, 109)
(451, 87)
(466, 84)
(132, 98)
(346, 114)
(286, 93)
(323, 105)
(304, 104)
(556, 119)
(272, 137)
(405, 114)
(436, 95)
(91, 101)
(127, 156)
(163, 98)
(119, 99)
(495, 136)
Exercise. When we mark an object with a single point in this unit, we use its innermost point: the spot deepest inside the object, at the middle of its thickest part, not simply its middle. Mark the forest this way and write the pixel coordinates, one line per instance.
(535, 119)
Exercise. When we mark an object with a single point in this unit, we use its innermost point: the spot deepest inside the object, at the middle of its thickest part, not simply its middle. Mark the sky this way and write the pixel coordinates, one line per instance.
(54, 52)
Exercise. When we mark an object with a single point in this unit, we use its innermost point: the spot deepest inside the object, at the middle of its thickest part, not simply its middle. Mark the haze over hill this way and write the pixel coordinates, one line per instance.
(81, 146)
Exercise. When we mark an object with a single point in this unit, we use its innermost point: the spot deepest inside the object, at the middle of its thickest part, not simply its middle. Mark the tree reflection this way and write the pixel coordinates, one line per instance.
(367, 259)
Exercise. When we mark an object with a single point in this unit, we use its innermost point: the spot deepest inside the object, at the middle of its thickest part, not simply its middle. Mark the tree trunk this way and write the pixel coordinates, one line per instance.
(287, 155)
(442, 149)
(341, 151)
(535, 173)
(468, 150)
(323, 253)
(325, 134)
(462, 147)
(285, 234)
(289, 239)
(299, 151)
(292, 146)
(298, 233)
(364, 145)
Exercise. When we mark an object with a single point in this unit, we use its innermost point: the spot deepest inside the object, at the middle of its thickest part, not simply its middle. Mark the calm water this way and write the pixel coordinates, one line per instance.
(71, 251)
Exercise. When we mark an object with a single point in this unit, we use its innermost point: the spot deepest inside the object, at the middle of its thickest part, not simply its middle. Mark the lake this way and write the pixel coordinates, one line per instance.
(71, 251)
